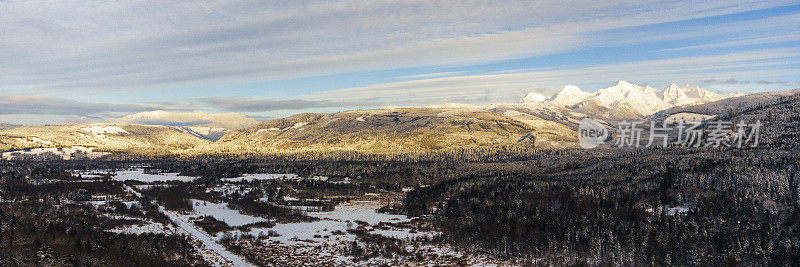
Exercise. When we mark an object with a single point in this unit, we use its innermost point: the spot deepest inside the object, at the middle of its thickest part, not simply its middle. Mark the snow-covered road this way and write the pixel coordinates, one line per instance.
(207, 240)
(197, 234)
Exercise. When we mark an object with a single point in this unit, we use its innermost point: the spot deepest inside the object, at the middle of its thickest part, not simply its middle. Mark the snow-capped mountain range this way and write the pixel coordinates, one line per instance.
(626, 100)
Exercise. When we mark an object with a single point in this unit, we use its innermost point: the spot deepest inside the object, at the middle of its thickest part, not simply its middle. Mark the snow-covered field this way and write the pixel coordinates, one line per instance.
(365, 211)
(211, 251)
(306, 233)
(207, 241)
(100, 131)
(332, 236)
(139, 175)
(145, 228)
(333, 226)
(221, 212)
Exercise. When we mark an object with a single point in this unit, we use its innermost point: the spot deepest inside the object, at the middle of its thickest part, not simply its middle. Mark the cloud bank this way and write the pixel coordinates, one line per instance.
(46, 105)
(124, 45)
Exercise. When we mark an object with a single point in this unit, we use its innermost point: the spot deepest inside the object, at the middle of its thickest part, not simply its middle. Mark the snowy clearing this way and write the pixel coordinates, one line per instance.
(139, 175)
(211, 251)
(221, 212)
(100, 131)
(204, 238)
(365, 211)
(144, 228)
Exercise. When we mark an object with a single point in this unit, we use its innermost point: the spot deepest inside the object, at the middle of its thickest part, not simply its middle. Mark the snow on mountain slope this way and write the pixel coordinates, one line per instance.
(534, 98)
(568, 96)
(729, 105)
(638, 100)
(100, 131)
(675, 96)
(204, 125)
(553, 126)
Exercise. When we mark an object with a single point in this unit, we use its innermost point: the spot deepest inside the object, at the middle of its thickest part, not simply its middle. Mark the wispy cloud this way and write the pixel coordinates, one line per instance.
(506, 87)
(46, 105)
(734, 81)
(430, 75)
(72, 45)
(260, 105)
(189, 51)
(749, 41)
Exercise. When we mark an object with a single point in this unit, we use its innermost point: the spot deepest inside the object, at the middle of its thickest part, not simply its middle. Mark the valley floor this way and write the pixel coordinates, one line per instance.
(596, 207)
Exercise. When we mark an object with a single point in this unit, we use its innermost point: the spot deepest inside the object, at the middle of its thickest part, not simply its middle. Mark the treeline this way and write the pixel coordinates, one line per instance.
(699, 208)
(35, 234)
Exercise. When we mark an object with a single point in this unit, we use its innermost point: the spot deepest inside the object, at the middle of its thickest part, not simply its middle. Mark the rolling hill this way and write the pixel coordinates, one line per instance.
(101, 136)
(392, 130)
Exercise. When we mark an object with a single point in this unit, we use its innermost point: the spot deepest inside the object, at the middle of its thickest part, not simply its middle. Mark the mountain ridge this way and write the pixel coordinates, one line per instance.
(102, 136)
(625, 100)
(540, 124)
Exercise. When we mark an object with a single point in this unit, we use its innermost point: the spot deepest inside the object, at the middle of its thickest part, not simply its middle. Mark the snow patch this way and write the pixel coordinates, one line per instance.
(512, 113)
(39, 140)
(365, 211)
(144, 228)
(100, 132)
(268, 130)
(139, 175)
(311, 233)
(687, 118)
(221, 212)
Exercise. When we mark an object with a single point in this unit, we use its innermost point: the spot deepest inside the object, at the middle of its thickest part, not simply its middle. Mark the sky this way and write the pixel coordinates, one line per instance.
(87, 61)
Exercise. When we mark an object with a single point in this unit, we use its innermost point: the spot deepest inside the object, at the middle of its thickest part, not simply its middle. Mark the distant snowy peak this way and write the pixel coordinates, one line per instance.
(625, 99)
(534, 98)
(638, 99)
(568, 96)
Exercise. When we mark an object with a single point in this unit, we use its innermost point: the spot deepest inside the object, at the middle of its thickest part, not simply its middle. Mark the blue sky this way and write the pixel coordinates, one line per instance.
(73, 61)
